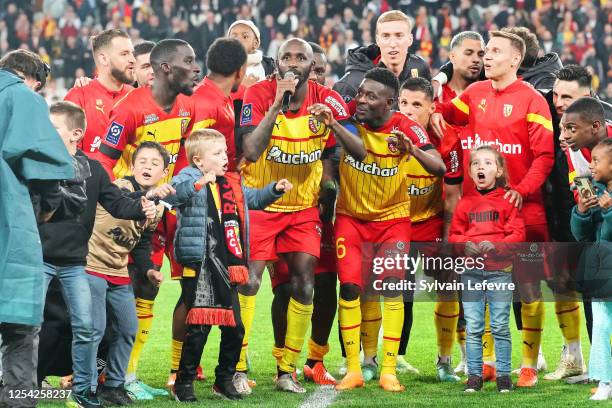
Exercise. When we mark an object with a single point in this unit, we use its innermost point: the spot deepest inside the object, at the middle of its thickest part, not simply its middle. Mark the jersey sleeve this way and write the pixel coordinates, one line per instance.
(417, 134)
(119, 132)
(453, 159)
(340, 111)
(205, 113)
(255, 104)
(457, 110)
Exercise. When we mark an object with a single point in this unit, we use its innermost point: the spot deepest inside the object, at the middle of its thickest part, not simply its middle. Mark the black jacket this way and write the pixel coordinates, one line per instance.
(543, 74)
(361, 59)
(64, 242)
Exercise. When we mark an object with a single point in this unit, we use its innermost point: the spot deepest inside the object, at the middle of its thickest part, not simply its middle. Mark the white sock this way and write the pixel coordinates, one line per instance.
(490, 363)
(444, 359)
(369, 360)
(463, 352)
(131, 377)
(574, 348)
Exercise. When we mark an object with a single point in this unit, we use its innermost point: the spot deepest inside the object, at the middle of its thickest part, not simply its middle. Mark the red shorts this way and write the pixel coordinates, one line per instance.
(429, 230)
(529, 265)
(279, 273)
(163, 243)
(358, 243)
(273, 233)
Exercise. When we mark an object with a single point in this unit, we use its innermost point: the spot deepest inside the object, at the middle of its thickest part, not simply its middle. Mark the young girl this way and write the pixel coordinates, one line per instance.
(592, 222)
(485, 222)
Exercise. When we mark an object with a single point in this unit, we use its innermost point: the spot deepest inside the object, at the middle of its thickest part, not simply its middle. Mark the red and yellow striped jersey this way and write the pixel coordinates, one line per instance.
(376, 189)
(137, 118)
(296, 146)
(426, 191)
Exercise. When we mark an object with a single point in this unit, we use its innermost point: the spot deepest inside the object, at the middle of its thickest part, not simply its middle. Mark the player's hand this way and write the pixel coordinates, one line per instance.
(322, 113)
(471, 249)
(402, 142)
(283, 85)
(159, 192)
(155, 277)
(283, 185)
(82, 81)
(437, 123)
(250, 80)
(586, 203)
(486, 246)
(149, 208)
(208, 177)
(515, 198)
(605, 201)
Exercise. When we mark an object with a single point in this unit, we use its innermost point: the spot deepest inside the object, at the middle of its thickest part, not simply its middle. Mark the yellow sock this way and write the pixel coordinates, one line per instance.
(144, 313)
(568, 316)
(371, 319)
(247, 313)
(177, 349)
(277, 353)
(349, 316)
(393, 320)
(533, 322)
(488, 343)
(460, 336)
(298, 320)
(316, 351)
(446, 315)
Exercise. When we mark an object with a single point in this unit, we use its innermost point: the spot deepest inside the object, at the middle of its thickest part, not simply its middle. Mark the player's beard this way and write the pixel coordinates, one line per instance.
(123, 76)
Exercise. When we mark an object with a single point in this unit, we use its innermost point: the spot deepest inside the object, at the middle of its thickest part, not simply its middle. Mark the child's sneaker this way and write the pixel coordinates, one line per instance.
(114, 396)
(226, 390)
(473, 384)
(184, 393)
(83, 400)
(504, 383)
(603, 393)
(489, 373)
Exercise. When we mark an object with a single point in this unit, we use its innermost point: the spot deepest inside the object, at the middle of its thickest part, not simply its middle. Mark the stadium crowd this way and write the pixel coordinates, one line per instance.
(60, 30)
(359, 134)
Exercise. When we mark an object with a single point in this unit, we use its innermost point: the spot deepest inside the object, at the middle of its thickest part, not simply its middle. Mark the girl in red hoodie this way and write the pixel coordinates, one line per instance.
(486, 223)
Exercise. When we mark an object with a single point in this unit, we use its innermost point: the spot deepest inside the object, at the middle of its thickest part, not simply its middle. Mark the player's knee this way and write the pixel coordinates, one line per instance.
(349, 291)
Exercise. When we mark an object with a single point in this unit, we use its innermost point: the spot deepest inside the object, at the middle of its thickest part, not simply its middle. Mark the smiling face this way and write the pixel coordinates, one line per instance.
(485, 169)
(393, 38)
(149, 168)
(212, 156)
(373, 100)
(601, 164)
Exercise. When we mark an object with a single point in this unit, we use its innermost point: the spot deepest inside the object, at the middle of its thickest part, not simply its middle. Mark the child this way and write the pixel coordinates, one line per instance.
(107, 267)
(209, 242)
(592, 222)
(485, 222)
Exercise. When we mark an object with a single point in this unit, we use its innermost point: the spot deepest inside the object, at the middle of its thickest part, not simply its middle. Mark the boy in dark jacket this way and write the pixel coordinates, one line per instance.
(211, 243)
(64, 244)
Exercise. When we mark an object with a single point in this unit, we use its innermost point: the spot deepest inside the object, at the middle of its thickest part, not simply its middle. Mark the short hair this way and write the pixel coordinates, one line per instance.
(197, 138)
(393, 15)
(458, 39)
(164, 50)
(385, 77)
(316, 48)
(105, 38)
(225, 56)
(516, 41)
(149, 144)
(532, 47)
(606, 143)
(73, 114)
(27, 63)
(575, 73)
(419, 84)
(142, 48)
(501, 181)
(589, 109)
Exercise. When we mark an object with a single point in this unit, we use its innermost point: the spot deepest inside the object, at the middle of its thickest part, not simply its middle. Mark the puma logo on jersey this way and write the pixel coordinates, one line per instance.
(370, 168)
(277, 155)
(507, 148)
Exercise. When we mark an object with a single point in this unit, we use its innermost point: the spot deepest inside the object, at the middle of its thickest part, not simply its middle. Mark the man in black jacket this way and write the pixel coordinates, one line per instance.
(393, 38)
(64, 241)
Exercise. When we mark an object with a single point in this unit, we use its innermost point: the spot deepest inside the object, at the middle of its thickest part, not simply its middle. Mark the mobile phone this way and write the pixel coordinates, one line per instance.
(585, 187)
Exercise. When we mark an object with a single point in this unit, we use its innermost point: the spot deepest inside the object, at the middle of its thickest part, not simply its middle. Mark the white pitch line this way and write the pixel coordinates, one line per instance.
(323, 397)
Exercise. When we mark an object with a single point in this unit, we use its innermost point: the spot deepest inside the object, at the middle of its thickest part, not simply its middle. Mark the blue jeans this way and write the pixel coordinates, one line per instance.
(119, 301)
(75, 290)
(499, 300)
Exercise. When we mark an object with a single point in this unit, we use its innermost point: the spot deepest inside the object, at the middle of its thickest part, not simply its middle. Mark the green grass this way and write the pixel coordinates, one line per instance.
(421, 391)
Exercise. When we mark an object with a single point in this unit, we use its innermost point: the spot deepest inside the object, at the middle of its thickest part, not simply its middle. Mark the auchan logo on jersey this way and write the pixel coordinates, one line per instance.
(507, 148)
(277, 155)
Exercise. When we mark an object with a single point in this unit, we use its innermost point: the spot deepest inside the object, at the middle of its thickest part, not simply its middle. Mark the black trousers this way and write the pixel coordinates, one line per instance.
(195, 340)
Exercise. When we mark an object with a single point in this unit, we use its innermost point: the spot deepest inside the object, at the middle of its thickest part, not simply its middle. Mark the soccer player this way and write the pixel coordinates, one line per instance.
(432, 202)
(393, 39)
(325, 298)
(374, 209)
(114, 57)
(143, 71)
(163, 113)
(294, 145)
(523, 134)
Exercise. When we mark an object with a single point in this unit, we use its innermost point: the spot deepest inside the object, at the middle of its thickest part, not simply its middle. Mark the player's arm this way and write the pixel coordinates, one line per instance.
(414, 141)
(115, 201)
(456, 112)
(343, 130)
(120, 131)
(256, 138)
(453, 179)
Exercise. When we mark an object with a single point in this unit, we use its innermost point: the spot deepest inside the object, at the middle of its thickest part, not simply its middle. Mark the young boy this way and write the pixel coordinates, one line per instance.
(212, 233)
(107, 267)
(64, 244)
